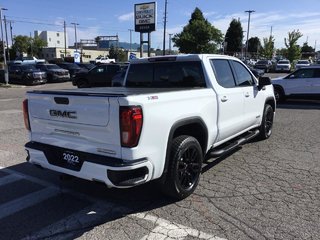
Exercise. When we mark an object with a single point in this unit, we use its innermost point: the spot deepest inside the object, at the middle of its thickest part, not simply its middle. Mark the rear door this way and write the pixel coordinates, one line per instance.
(254, 99)
(97, 76)
(230, 100)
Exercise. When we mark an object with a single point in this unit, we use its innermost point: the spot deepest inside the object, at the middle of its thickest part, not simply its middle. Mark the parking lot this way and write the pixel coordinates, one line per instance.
(264, 190)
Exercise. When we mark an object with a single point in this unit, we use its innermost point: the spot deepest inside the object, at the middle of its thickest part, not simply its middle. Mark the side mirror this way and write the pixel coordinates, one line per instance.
(264, 81)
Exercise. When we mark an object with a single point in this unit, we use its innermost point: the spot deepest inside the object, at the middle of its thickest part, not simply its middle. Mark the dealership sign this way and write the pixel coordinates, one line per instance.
(145, 17)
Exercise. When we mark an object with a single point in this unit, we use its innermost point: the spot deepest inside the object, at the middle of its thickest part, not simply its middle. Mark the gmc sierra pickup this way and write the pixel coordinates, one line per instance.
(173, 113)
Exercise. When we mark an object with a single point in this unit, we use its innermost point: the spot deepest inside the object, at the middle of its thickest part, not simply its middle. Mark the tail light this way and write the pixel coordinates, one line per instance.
(26, 114)
(131, 119)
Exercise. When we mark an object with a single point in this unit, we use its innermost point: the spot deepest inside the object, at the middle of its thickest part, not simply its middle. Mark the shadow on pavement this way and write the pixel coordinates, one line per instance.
(70, 197)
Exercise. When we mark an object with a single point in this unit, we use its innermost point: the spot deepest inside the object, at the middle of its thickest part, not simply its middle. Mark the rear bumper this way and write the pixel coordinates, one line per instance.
(113, 172)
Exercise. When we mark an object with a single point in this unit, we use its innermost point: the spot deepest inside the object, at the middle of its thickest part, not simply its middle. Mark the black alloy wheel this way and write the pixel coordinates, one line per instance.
(267, 122)
(184, 167)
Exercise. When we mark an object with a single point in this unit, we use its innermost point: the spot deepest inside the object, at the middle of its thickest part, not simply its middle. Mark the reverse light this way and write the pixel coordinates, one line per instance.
(26, 114)
(131, 119)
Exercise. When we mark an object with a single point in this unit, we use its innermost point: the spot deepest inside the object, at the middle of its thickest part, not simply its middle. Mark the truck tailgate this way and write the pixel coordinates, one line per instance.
(84, 123)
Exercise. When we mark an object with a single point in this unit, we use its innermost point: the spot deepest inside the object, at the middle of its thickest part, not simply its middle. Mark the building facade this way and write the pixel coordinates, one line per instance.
(53, 39)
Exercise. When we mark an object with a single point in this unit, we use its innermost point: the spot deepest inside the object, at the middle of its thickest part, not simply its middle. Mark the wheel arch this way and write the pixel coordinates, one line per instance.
(194, 127)
(271, 102)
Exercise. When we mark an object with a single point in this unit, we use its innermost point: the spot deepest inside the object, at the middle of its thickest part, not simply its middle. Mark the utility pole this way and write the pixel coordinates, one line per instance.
(164, 27)
(170, 36)
(5, 29)
(130, 38)
(271, 33)
(6, 79)
(31, 44)
(75, 34)
(11, 33)
(248, 11)
(65, 38)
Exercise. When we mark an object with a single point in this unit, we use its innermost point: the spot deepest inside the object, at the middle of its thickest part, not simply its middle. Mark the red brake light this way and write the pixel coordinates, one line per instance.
(26, 114)
(131, 119)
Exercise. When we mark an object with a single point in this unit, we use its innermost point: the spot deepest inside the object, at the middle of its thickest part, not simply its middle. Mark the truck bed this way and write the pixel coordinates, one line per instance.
(108, 91)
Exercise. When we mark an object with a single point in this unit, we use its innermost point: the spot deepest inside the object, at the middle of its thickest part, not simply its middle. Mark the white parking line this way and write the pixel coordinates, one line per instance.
(91, 214)
(10, 111)
(9, 179)
(170, 231)
(29, 200)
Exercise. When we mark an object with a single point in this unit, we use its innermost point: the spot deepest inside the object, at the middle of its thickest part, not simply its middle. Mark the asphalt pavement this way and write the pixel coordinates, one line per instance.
(263, 190)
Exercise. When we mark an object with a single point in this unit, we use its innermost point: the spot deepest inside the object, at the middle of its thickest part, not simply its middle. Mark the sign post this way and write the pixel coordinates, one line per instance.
(145, 22)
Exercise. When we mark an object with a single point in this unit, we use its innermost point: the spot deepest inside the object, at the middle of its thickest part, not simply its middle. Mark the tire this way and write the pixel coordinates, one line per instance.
(279, 95)
(184, 168)
(267, 122)
(82, 83)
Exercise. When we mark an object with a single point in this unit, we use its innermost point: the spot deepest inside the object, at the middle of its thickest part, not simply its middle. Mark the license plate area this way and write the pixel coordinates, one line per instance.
(65, 158)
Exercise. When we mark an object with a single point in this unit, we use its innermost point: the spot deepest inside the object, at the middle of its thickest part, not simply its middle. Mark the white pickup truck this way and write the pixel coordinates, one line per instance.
(173, 113)
(100, 60)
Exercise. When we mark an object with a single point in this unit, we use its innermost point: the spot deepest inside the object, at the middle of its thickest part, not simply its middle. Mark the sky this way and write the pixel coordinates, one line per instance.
(116, 17)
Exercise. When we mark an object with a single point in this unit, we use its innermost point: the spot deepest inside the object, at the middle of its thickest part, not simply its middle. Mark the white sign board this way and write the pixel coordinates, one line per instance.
(145, 17)
(76, 56)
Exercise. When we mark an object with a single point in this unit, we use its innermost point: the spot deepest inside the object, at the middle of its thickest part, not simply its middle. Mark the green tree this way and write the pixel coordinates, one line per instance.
(254, 45)
(36, 46)
(234, 37)
(198, 36)
(306, 48)
(267, 49)
(31, 46)
(112, 52)
(294, 51)
(21, 44)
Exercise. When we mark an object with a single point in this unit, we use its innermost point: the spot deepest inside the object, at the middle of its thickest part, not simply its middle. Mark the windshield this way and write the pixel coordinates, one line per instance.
(284, 62)
(53, 66)
(72, 66)
(262, 62)
(28, 67)
(303, 62)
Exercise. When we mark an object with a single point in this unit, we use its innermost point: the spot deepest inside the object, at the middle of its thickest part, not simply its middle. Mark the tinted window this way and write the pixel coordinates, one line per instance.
(113, 68)
(28, 67)
(99, 69)
(317, 73)
(262, 62)
(244, 78)
(223, 73)
(165, 75)
(304, 73)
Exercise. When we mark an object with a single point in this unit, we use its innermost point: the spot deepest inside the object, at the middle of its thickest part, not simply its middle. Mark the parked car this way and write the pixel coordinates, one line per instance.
(99, 76)
(265, 65)
(283, 66)
(26, 74)
(302, 83)
(71, 67)
(54, 72)
(302, 63)
(101, 59)
(256, 72)
(28, 60)
(86, 66)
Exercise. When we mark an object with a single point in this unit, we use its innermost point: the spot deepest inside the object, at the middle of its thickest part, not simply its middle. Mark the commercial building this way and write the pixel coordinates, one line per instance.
(53, 39)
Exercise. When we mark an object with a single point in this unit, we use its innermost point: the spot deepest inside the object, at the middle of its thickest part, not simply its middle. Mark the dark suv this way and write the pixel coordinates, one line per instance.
(99, 76)
(54, 72)
(72, 67)
(26, 74)
(266, 65)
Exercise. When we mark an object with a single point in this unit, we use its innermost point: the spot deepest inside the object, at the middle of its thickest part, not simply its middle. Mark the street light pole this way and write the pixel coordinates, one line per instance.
(248, 11)
(130, 38)
(75, 34)
(6, 79)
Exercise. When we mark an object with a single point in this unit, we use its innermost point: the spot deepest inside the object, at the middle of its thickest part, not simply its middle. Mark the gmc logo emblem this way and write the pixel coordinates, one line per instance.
(63, 114)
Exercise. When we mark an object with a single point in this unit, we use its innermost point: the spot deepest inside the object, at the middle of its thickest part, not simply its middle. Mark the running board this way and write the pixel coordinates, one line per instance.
(218, 152)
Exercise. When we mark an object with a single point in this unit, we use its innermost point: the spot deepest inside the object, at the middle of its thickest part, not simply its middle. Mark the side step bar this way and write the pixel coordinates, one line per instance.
(221, 151)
